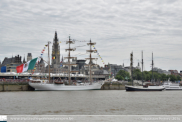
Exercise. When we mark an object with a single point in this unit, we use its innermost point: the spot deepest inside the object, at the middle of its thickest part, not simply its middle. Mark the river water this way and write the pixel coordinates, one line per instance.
(96, 102)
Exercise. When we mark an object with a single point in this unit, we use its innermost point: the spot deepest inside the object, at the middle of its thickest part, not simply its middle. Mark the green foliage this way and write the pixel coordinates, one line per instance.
(178, 78)
(147, 76)
(137, 75)
(121, 75)
(172, 78)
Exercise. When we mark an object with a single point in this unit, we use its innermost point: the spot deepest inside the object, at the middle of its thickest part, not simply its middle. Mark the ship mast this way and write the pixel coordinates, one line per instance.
(142, 68)
(152, 67)
(69, 64)
(90, 59)
(131, 67)
(49, 60)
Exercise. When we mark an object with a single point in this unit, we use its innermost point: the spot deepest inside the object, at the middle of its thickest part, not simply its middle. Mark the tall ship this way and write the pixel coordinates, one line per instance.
(47, 85)
(143, 87)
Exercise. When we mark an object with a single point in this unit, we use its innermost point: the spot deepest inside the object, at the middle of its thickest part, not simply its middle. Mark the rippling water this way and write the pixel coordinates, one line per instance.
(97, 102)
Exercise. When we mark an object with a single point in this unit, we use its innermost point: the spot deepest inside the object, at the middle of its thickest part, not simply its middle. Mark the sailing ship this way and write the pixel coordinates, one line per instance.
(143, 87)
(51, 86)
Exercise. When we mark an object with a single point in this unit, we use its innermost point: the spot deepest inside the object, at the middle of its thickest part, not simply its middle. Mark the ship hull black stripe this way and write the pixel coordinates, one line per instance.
(138, 89)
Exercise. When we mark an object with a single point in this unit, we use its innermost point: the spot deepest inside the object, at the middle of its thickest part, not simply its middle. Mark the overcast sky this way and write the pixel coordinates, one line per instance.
(117, 26)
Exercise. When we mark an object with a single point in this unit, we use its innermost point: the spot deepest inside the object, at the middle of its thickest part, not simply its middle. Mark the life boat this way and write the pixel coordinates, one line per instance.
(58, 82)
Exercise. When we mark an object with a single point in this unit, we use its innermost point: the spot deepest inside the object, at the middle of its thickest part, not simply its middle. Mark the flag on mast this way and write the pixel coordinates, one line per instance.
(27, 66)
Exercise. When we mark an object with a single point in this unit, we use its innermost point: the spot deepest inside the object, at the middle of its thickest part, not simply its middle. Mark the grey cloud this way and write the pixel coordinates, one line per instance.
(118, 27)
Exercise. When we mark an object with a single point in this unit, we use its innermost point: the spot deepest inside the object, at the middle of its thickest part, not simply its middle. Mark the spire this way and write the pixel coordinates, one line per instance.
(12, 59)
(123, 64)
(24, 59)
(55, 35)
(62, 59)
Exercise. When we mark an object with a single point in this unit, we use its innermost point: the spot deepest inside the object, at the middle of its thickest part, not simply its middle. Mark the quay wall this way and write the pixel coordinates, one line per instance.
(15, 87)
(113, 87)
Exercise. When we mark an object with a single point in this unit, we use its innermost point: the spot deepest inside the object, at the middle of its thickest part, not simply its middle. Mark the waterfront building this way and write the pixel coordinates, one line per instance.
(55, 52)
(174, 72)
(138, 66)
(40, 66)
(128, 68)
(24, 60)
(10, 64)
(113, 69)
(81, 63)
(155, 69)
(29, 57)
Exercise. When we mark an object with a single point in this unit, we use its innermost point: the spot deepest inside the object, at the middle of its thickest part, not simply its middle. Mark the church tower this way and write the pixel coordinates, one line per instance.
(55, 52)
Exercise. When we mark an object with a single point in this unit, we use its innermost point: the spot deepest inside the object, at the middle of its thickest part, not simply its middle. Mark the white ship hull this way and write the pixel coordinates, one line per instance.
(172, 86)
(58, 87)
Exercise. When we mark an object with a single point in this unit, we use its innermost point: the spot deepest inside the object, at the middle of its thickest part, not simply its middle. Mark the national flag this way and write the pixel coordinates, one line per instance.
(27, 66)
(54, 57)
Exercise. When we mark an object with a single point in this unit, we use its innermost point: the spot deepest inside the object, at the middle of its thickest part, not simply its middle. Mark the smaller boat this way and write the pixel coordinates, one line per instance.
(143, 87)
(172, 86)
(58, 82)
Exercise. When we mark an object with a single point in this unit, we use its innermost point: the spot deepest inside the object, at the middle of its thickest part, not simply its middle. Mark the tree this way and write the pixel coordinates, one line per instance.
(163, 77)
(147, 78)
(178, 78)
(167, 77)
(173, 78)
(137, 75)
(121, 75)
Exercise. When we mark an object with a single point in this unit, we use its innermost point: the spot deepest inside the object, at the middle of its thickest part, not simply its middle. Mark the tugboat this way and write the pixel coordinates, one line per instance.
(143, 87)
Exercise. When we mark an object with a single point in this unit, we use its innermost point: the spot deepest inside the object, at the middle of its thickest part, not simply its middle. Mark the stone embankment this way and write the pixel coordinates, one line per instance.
(26, 87)
(15, 87)
(113, 86)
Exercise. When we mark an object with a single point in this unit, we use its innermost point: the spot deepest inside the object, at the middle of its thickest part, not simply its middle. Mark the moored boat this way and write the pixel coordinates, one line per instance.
(172, 86)
(143, 87)
(59, 85)
(45, 86)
